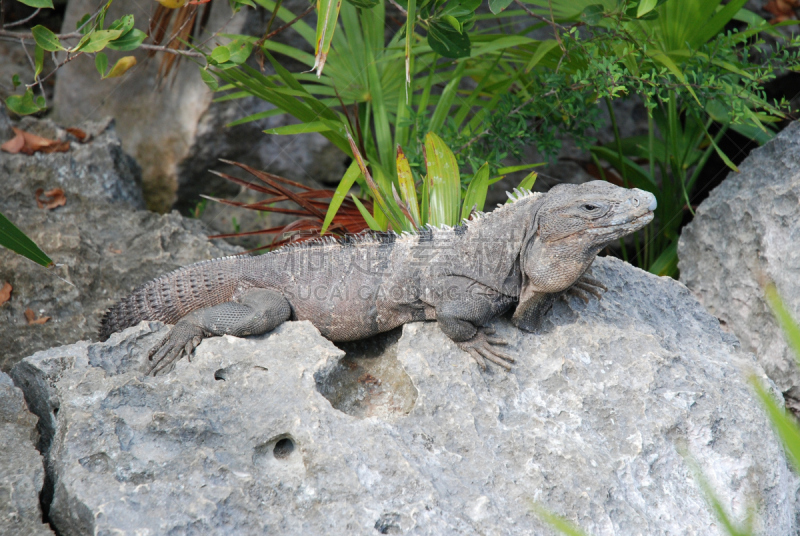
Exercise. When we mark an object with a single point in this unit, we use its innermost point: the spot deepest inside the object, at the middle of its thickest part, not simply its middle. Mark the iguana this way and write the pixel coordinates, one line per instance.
(527, 252)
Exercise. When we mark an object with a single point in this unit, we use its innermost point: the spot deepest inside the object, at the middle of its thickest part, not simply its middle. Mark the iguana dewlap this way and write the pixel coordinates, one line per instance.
(525, 253)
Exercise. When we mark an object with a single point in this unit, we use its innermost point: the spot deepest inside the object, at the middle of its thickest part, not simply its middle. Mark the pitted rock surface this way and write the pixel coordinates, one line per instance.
(749, 228)
(588, 424)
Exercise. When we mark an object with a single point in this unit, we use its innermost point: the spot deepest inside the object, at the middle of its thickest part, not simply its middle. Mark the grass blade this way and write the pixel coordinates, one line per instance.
(327, 14)
(15, 240)
(367, 216)
(345, 184)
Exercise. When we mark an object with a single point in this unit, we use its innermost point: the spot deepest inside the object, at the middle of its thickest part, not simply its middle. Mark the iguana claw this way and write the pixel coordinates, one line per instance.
(482, 347)
(586, 283)
(181, 340)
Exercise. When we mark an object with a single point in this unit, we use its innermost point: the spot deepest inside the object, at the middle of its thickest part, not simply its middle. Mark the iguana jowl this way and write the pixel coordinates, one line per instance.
(527, 252)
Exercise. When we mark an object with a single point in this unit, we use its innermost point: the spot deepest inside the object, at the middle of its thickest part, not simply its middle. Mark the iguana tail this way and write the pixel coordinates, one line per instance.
(174, 295)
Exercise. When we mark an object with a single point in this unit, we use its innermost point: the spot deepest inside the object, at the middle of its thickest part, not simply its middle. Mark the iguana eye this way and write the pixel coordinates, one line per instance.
(589, 207)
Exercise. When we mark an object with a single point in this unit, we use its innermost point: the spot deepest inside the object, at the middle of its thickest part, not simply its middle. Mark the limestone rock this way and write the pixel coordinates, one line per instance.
(21, 468)
(749, 226)
(102, 247)
(98, 169)
(281, 433)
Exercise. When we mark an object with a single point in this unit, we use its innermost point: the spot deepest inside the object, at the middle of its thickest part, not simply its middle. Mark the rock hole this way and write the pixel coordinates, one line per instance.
(369, 381)
(221, 374)
(283, 448)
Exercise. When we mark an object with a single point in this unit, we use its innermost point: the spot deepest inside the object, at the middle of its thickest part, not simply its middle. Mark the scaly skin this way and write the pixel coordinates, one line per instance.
(528, 252)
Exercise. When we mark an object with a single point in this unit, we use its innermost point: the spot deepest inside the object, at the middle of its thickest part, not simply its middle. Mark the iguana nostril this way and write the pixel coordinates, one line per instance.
(635, 201)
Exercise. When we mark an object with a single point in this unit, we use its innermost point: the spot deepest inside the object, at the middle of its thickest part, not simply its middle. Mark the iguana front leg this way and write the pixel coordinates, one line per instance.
(586, 283)
(462, 320)
(529, 315)
(254, 312)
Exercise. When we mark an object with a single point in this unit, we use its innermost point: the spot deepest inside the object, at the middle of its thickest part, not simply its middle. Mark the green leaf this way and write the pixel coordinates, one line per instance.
(446, 41)
(209, 79)
(557, 522)
(15, 81)
(523, 167)
(302, 128)
(96, 41)
(38, 3)
(787, 323)
(240, 50)
(15, 240)
(408, 189)
(783, 423)
(593, 14)
(373, 224)
(364, 4)
(38, 54)
(130, 40)
(667, 263)
(453, 22)
(345, 184)
(46, 39)
(123, 24)
(101, 63)
(24, 104)
(121, 67)
(645, 6)
(476, 192)
(220, 54)
(442, 110)
(327, 13)
(82, 21)
(541, 51)
(496, 6)
(528, 182)
(444, 180)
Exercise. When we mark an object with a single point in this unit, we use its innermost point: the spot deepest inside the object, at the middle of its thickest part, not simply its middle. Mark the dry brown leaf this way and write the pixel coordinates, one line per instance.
(52, 198)
(782, 9)
(115, 251)
(15, 144)
(78, 133)
(30, 316)
(27, 143)
(5, 292)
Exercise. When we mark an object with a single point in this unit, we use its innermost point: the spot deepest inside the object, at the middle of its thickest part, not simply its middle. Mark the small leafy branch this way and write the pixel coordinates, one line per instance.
(91, 36)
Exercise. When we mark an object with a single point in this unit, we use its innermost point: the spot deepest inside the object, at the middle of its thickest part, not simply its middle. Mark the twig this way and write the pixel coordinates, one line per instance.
(29, 37)
(398, 6)
(554, 25)
(273, 33)
(164, 48)
(23, 21)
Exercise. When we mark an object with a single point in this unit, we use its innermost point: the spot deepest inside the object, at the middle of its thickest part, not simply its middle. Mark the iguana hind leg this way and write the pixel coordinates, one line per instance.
(254, 312)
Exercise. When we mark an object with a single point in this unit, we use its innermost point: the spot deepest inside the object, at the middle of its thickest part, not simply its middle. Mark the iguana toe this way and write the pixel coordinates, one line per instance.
(181, 340)
(483, 348)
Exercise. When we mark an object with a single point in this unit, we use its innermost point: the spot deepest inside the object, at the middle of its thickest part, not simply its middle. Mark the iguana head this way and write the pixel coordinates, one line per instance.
(573, 223)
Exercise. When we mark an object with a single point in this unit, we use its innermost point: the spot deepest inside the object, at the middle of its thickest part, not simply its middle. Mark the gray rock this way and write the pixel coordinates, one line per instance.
(21, 468)
(6, 133)
(102, 247)
(749, 227)
(98, 169)
(281, 433)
